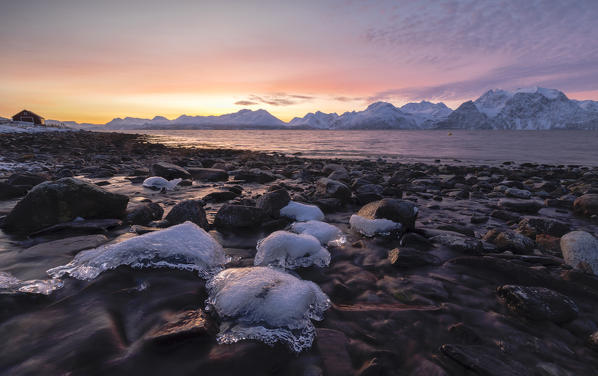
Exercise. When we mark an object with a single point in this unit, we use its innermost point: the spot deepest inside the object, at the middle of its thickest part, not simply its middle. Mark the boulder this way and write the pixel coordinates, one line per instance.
(61, 201)
(27, 179)
(144, 214)
(520, 206)
(221, 195)
(369, 192)
(170, 171)
(239, 216)
(8, 191)
(208, 174)
(333, 188)
(188, 210)
(404, 212)
(537, 303)
(586, 205)
(272, 202)
(580, 250)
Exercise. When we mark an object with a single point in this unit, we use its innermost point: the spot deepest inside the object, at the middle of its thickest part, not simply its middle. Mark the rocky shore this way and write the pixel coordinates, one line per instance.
(436, 270)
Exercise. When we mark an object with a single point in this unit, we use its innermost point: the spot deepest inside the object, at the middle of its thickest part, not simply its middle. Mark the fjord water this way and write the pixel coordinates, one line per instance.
(455, 146)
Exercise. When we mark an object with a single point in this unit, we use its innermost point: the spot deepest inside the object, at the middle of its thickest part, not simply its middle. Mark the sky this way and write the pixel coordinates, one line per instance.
(91, 61)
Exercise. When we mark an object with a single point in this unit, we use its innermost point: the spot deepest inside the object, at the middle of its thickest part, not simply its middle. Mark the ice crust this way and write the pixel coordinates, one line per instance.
(324, 232)
(288, 250)
(302, 212)
(372, 227)
(185, 246)
(266, 304)
(157, 182)
(11, 284)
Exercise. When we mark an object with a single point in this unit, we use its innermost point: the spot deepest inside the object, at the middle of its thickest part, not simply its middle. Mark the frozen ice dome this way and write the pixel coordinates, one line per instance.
(267, 305)
(159, 183)
(185, 246)
(10, 284)
(289, 250)
(372, 227)
(302, 212)
(324, 232)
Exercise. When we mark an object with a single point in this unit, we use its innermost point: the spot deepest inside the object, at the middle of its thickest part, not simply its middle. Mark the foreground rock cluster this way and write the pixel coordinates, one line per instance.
(442, 269)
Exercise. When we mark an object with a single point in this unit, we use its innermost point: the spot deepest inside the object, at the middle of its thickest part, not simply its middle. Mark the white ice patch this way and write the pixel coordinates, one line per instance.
(185, 246)
(10, 284)
(373, 227)
(324, 232)
(288, 250)
(159, 183)
(302, 212)
(267, 305)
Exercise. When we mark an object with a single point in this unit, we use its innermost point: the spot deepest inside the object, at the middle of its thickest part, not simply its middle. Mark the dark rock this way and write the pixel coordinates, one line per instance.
(254, 175)
(208, 174)
(538, 303)
(188, 210)
(340, 176)
(170, 171)
(369, 192)
(518, 193)
(85, 226)
(27, 180)
(187, 324)
(414, 240)
(220, 196)
(329, 205)
(464, 334)
(586, 205)
(505, 215)
(400, 211)
(8, 191)
(239, 216)
(521, 206)
(484, 360)
(64, 173)
(478, 219)
(145, 213)
(66, 246)
(333, 188)
(510, 241)
(531, 226)
(51, 203)
(272, 202)
(409, 257)
(459, 243)
(332, 346)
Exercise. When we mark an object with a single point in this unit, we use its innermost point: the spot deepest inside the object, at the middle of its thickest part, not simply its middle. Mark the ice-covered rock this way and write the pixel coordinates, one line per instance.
(267, 305)
(324, 232)
(11, 284)
(373, 227)
(185, 246)
(302, 212)
(291, 251)
(159, 183)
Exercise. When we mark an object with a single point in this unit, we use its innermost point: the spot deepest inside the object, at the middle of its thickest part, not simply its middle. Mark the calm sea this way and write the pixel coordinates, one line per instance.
(458, 146)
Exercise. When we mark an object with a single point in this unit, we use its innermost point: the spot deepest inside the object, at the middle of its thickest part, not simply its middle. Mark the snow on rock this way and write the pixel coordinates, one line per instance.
(288, 250)
(185, 246)
(302, 212)
(373, 227)
(10, 284)
(324, 232)
(24, 127)
(159, 183)
(267, 305)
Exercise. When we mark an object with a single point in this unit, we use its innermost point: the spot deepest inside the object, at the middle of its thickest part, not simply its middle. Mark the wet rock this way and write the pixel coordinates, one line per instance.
(254, 175)
(593, 341)
(518, 193)
(332, 346)
(484, 360)
(85, 226)
(170, 171)
(340, 176)
(333, 188)
(586, 205)
(400, 211)
(64, 173)
(409, 258)
(188, 210)
(8, 191)
(222, 195)
(505, 215)
(145, 213)
(531, 226)
(510, 241)
(549, 244)
(208, 174)
(538, 303)
(478, 219)
(239, 216)
(183, 325)
(459, 243)
(580, 250)
(67, 246)
(521, 206)
(63, 200)
(27, 180)
(464, 334)
(272, 202)
(369, 192)
(329, 205)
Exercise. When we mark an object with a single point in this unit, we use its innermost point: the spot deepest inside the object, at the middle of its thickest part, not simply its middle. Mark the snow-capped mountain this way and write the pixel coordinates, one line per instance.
(427, 114)
(318, 120)
(466, 116)
(378, 115)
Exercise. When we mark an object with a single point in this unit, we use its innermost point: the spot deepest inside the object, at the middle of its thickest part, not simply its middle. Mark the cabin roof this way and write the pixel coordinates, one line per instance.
(31, 112)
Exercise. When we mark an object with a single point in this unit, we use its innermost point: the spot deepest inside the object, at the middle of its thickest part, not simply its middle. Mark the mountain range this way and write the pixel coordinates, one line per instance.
(523, 109)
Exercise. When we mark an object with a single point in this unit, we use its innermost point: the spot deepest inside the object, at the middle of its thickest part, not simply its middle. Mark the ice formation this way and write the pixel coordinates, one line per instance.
(372, 227)
(185, 246)
(302, 212)
(159, 183)
(8, 283)
(266, 304)
(289, 250)
(324, 232)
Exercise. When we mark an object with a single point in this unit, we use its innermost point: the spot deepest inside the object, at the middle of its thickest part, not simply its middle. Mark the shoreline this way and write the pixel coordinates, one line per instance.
(437, 308)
